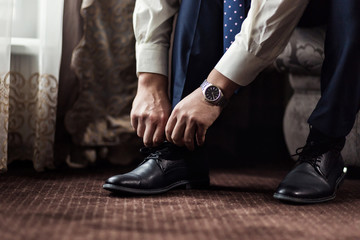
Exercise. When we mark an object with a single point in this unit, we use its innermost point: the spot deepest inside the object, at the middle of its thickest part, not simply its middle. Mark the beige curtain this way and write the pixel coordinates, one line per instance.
(5, 41)
(77, 113)
(30, 82)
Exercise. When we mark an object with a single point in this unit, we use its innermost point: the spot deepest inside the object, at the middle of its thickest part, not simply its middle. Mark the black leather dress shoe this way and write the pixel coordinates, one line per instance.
(165, 168)
(316, 177)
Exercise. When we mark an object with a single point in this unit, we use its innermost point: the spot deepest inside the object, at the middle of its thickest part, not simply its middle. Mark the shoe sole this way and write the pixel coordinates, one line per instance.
(184, 183)
(291, 199)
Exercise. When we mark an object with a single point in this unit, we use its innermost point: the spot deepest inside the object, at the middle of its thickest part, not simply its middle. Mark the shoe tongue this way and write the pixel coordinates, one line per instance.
(172, 152)
(315, 148)
(322, 142)
(321, 147)
(166, 150)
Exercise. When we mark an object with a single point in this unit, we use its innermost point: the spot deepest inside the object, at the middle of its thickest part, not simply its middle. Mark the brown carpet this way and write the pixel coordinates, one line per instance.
(70, 204)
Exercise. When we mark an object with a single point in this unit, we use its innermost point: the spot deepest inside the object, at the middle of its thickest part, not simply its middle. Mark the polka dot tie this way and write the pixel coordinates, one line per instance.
(234, 15)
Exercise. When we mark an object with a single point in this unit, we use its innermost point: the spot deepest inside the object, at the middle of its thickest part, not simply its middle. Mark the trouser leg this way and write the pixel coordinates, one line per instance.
(198, 45)
(336, 110)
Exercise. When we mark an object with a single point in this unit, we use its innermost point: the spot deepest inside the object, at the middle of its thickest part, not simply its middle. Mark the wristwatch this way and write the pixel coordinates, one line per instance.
(213, 94)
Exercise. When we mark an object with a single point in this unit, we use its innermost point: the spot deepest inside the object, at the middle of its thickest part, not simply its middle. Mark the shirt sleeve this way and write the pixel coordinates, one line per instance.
(152, 21)
(264, 34)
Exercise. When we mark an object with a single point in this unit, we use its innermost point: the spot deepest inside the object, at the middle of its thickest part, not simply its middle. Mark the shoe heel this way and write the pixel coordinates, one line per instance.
(341, 179)
(198, 184)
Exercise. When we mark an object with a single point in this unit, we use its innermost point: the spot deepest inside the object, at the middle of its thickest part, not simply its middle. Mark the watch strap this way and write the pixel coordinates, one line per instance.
(204, 84)
(222, 102)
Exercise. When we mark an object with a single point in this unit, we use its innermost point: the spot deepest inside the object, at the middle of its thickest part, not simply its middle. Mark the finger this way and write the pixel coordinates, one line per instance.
(189, 136)
(148, 134)
(159, 134)
(177, 135)
(169, 127)
(134, 121)
(200, 135)
(140, 128)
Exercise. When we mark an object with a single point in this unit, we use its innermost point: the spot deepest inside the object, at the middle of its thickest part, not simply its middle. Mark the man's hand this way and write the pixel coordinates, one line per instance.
(151, 108)
(190, 119)
(192, 116)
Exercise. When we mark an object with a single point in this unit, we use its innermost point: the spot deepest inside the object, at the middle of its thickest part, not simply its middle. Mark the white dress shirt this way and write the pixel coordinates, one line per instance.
(264, 34)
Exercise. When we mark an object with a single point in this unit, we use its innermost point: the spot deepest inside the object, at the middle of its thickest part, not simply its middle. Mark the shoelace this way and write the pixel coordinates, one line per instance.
(155, 156)
(164, 151)
(306, 154)
(150, 150)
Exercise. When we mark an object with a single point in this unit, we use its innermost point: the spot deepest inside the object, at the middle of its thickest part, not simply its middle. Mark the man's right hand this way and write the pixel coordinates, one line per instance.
(151, 108)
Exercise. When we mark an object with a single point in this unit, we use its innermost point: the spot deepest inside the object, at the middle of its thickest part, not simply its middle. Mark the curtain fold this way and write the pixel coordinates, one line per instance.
(6, 7)
(29, 90)
(50, 33)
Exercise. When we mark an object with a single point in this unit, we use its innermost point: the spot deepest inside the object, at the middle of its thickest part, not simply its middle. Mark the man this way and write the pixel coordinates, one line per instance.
(198, 55)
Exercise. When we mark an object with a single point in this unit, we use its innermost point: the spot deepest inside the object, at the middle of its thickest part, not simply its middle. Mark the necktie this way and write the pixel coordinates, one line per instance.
(234, 15)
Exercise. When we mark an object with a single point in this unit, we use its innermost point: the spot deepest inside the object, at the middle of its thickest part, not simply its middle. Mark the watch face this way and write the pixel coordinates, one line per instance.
(212, 93)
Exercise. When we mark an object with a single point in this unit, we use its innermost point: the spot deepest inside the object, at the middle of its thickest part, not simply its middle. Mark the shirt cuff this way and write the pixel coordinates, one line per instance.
(152, 58)
(240, 66)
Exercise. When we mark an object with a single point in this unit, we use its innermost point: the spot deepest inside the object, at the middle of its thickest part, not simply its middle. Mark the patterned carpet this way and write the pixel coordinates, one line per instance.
(70, 204)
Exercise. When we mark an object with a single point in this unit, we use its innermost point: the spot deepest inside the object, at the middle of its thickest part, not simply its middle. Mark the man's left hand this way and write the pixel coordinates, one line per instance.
(192, 116)
(190, 119)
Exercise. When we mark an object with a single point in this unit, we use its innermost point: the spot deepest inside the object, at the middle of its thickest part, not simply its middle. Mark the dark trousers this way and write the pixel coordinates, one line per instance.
(198, 46)
(336, 110)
